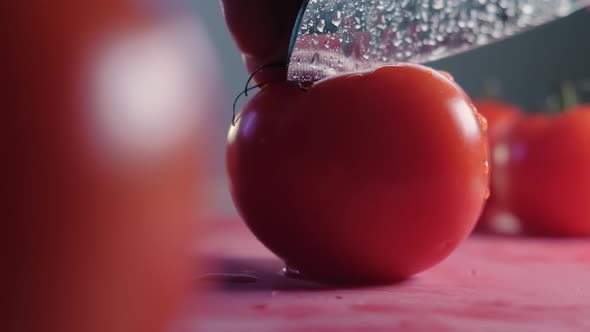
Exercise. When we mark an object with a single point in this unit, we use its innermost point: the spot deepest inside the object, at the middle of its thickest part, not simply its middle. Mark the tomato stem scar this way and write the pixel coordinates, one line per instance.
(262, 68)
(249, 88)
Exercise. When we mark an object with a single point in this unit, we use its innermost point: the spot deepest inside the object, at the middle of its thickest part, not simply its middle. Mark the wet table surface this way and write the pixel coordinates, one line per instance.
(490, 283)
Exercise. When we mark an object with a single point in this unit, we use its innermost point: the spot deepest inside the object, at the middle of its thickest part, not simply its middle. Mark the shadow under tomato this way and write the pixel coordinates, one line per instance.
(232, 274)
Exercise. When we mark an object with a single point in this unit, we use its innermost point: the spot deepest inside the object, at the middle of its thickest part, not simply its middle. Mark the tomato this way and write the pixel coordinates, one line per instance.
(365, 178)
(500, 117)
(107, 101)
(543, 173)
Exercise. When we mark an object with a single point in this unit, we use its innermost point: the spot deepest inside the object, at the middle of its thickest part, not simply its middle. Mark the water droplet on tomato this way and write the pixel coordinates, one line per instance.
(483, 122)
(447, 75)
(486, 167)
(487, 194)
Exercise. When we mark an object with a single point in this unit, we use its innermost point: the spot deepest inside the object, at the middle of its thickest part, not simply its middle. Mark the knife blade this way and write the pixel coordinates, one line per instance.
(333, 37)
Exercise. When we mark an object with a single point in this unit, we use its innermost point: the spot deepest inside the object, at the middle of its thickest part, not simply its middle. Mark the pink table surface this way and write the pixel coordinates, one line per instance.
(489, 284)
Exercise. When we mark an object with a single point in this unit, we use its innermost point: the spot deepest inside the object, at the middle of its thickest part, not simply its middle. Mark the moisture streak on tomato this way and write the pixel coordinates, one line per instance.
(364, 178)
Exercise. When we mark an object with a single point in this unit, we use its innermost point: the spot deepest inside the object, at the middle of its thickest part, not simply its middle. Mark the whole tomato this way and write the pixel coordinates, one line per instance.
(365, 178)
(107, 100)
(543, 173)
(500, 118)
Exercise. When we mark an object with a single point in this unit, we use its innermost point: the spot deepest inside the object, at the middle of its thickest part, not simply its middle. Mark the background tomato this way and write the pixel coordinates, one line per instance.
(543, 173)
(500, 118)
(105, 111)
(364, 178)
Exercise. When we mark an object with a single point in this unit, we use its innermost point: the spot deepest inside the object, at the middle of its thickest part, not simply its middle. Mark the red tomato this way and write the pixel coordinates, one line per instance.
(105, 106)
(500, 117)
(543, 173)
(364, 178)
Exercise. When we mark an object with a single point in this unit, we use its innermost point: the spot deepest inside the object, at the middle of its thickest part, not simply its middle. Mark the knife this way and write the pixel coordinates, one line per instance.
(333, 37)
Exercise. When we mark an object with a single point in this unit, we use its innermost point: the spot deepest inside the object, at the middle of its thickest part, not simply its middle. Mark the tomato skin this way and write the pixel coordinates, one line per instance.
(500, 118)
(365, 178)
(101, 218)
(544, 176)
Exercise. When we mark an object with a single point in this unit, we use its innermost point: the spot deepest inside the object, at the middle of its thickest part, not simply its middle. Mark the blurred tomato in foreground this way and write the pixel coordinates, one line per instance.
(542, 173)
(106, 103)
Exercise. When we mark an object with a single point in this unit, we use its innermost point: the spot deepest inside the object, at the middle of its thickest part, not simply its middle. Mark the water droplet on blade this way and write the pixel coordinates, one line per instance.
(337, 18)
(315, 61)
(321, 25)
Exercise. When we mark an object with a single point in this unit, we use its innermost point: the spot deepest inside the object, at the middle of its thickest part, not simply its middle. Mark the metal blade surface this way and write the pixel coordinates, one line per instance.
(335, 37)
